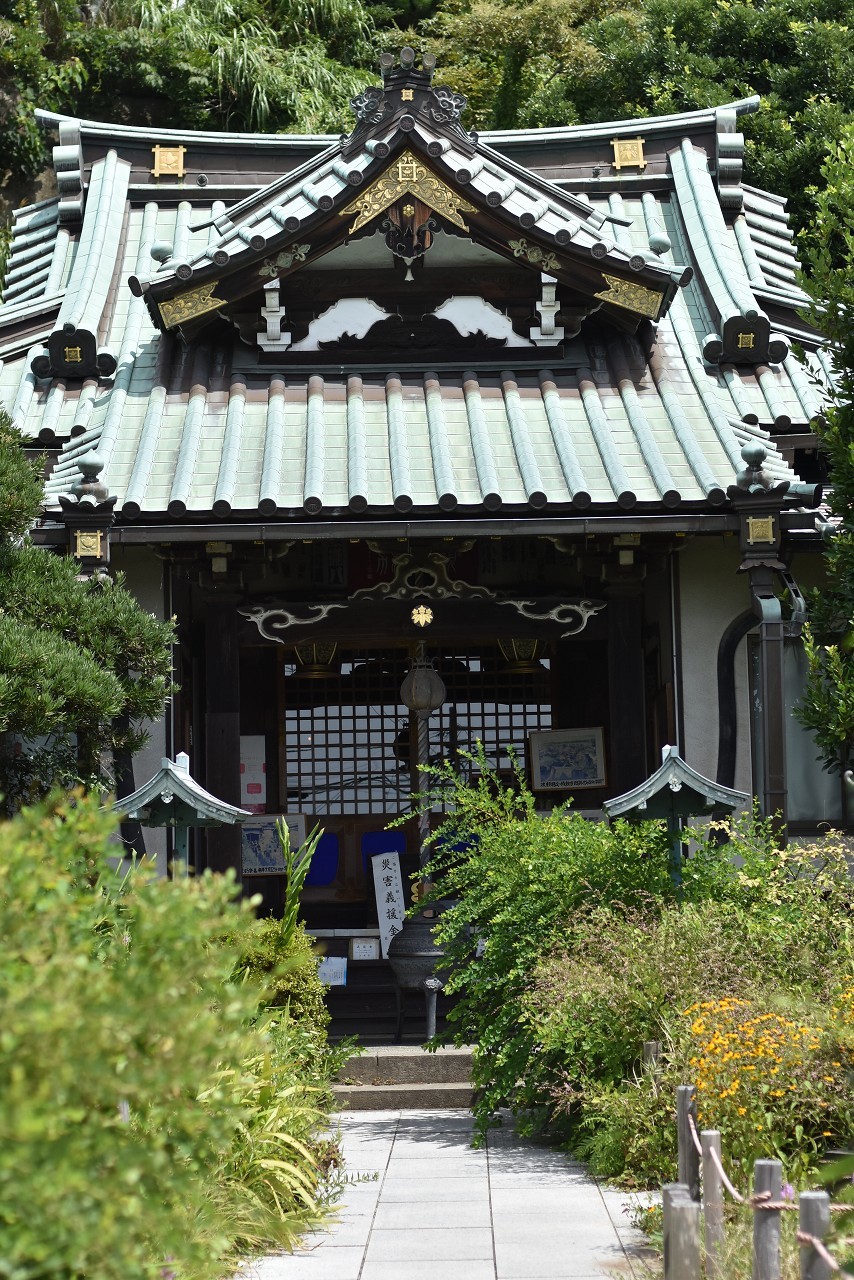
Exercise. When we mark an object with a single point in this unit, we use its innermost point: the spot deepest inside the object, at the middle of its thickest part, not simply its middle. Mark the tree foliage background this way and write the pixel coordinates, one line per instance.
(827, 708)
(292, 65)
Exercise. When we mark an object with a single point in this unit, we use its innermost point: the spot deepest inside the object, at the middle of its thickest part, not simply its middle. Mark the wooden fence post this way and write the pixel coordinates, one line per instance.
(651, 1054)
(814, 1219)
(681, 1234)
(689, 1156)
(713, 1203)
(767, 1177)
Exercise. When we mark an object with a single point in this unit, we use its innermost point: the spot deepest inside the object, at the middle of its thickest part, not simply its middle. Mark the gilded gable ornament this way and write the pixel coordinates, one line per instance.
(631, 297)
(186, 306)
(534, 254)
(407, 176)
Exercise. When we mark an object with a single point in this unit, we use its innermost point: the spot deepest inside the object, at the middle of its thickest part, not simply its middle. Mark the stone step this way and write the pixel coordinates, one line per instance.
(407, 1065)
(398, 1097)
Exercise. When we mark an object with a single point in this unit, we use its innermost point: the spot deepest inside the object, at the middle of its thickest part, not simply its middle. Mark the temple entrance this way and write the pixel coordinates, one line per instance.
(346, 749)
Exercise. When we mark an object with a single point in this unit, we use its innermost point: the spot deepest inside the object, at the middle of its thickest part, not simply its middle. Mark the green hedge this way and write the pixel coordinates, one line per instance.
(153, 1119)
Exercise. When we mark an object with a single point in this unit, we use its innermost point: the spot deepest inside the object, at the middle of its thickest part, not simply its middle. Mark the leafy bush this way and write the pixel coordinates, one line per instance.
(516, 879)
(570, 947)
(758, 970)
(144, 1125)
(281, 954)
(287, 965)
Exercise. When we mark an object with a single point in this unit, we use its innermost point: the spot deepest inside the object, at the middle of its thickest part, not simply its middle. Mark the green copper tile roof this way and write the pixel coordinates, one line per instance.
(618, 427)
(618, 422)
(617, 431)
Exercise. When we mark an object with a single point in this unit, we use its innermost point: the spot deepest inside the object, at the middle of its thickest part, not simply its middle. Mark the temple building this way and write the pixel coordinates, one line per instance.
(528, 399)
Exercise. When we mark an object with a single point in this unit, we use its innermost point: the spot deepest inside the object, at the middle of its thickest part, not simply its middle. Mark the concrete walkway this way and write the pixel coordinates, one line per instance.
(432, 1208)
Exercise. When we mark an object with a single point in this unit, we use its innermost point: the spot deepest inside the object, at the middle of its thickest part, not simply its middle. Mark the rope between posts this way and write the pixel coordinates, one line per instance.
(695, 1138)
(716, 1161)
(803, 1237)
(761, 1199)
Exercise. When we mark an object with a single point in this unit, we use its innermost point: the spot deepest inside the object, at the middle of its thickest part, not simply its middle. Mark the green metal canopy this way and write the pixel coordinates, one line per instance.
(173, 799)
(675, 792)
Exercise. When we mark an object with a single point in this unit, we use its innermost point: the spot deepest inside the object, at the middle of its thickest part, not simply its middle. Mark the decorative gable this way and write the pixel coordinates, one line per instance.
(407, 174)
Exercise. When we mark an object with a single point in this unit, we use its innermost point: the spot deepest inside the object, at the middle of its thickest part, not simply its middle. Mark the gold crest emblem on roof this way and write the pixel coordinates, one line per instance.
(407, 176)
(628, 153)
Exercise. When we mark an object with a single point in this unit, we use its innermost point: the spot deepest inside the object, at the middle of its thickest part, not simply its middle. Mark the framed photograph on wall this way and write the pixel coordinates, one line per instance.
(262, 851)
(567, 759)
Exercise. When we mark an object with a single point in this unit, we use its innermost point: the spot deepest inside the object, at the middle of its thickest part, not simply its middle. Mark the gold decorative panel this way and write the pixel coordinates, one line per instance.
(186, 306)
(407, 176)
(746, 341)
(760, 529)
(534, 254)
(168, 161)
(73, 355)
(87, 542)
(628, 153)
(631, 297)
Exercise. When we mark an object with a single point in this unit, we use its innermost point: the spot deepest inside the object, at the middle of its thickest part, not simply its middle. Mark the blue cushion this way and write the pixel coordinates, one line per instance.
(376, 842)
(324, 864)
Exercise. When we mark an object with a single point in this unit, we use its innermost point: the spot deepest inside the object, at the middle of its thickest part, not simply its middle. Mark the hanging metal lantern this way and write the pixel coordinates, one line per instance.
(315, 659)
(423, 689)
(521, 656)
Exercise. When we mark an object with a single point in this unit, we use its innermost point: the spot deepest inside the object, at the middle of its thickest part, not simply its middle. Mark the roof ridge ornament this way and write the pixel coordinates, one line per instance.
(406, 95)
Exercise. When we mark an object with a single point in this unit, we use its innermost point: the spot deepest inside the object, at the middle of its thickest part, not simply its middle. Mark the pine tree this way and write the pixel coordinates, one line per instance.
(81, 664)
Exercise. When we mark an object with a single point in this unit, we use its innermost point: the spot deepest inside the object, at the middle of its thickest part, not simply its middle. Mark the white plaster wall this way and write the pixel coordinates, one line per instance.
(144, 574)
(711, 594)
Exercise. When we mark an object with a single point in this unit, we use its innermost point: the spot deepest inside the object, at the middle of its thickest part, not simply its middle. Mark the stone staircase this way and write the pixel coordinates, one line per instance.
(393, 1077)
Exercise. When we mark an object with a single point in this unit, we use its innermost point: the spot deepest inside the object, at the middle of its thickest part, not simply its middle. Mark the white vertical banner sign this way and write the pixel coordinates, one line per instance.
(388, 887)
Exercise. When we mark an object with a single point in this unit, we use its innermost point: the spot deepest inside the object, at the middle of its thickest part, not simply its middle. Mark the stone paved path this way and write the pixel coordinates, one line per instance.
(437, 1209)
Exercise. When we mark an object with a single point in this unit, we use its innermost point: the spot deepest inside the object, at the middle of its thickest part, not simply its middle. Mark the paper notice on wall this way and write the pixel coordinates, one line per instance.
(388, 887)
(333, 971)
(253, 772)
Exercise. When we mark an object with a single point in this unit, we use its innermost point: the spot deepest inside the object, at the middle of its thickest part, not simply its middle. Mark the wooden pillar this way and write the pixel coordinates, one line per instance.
(626, 695)
(222, 727)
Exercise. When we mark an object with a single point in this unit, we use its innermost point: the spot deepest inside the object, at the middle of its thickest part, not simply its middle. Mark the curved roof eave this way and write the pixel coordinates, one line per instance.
(105, 129)
(493, 137)
(606, 128)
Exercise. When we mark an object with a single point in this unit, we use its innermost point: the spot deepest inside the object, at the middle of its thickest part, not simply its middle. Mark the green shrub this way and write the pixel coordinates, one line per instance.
(142, 1116)
(281, 955)
(286, 964)
(768, 958)
(519, 881)
(570, 947)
